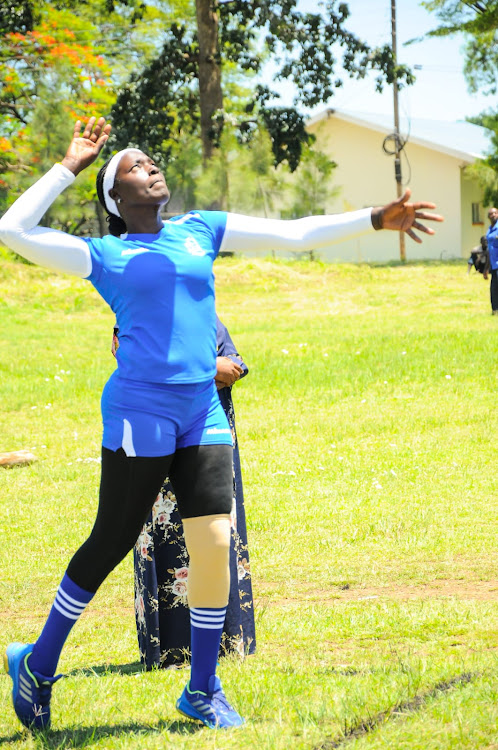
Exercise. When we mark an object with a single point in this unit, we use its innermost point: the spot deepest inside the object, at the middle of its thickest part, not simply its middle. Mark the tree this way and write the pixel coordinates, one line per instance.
(240, 179)
(16, 15)
(478, 21)
(60, 61)
(311, 186)
(47, 79)
(485, 171)
(190, 71)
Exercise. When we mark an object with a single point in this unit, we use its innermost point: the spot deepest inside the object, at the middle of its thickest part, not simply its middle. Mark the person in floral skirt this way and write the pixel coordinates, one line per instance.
(161, 559)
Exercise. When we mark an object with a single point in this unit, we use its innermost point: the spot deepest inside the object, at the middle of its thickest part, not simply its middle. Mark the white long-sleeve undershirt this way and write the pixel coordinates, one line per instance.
(56, 250)
(65, 253)
(246, 233)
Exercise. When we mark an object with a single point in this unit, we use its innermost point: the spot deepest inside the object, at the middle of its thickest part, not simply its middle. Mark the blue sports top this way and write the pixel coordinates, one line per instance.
(492, 238)
(161, 289)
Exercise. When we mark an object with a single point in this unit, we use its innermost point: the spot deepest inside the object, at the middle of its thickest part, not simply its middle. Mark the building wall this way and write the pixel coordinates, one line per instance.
(365, 175)
(471, 232)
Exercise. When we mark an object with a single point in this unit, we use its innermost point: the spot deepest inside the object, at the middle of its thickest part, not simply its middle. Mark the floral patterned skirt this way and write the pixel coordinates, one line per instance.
(161, 573)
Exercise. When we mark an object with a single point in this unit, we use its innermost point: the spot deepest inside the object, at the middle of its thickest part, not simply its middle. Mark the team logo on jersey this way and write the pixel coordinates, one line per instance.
(193, 247)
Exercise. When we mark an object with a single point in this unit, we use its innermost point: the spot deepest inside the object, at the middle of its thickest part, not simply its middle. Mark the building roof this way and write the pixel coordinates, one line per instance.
(460, 139)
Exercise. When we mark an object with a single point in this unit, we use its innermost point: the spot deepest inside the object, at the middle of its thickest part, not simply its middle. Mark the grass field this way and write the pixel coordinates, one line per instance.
(367, 433)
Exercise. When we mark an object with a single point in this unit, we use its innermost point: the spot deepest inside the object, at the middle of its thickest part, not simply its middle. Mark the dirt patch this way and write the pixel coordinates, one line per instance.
(21, 615)
(276, 594)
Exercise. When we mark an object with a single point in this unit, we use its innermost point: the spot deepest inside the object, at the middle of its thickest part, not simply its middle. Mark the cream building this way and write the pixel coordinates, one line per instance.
(433, 166)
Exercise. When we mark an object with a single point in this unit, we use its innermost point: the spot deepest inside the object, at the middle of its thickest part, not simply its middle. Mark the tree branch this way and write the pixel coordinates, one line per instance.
(13, 110)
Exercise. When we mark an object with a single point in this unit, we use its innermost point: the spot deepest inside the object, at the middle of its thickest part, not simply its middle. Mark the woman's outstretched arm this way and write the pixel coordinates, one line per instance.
(313, 232)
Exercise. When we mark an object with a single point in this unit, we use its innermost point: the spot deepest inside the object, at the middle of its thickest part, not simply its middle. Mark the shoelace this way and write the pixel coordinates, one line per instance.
(220, 699)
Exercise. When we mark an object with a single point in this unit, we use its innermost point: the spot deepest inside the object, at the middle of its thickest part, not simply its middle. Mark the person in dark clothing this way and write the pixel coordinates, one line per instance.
(479, 258)
(161, 559)
(492, 240)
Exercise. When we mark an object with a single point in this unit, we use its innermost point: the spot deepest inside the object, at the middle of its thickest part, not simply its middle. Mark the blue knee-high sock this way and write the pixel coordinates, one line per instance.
(69, 603)
(206, 627)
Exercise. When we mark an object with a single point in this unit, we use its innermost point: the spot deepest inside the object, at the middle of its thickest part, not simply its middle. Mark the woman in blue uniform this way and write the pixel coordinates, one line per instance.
(160, 409)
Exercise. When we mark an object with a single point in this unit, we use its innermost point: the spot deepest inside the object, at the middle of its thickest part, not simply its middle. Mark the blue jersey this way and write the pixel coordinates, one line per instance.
(492, 238)
(161, 289)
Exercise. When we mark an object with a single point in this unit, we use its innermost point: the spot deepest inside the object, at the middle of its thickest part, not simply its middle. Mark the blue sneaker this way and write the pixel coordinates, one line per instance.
(31, 691)
(212, 708)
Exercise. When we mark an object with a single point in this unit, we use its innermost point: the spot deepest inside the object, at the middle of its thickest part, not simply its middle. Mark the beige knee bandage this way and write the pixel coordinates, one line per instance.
(208, 545)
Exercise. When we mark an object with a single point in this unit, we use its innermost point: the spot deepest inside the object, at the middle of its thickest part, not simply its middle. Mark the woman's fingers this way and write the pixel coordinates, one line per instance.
(94, 130)
(422, 228)
(88, 128)
(424, 215)
(412, 234)
(98, 128)
(105, 133)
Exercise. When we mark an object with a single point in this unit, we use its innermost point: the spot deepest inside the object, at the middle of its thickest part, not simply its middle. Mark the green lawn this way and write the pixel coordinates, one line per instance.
(367, 431)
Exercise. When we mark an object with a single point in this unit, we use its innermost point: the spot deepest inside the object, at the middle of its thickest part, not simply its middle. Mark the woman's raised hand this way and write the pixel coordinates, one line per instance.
(85, 147)
(404, 217)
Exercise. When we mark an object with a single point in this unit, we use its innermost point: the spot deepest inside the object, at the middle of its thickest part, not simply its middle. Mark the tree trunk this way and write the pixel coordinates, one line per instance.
(210, 93)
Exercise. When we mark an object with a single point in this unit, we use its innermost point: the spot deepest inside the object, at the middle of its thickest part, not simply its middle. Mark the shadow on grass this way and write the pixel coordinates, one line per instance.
(104, 669)
(82, 736)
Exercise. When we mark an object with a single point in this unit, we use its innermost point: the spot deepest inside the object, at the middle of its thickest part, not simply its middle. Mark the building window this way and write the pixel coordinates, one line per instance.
(476, 213)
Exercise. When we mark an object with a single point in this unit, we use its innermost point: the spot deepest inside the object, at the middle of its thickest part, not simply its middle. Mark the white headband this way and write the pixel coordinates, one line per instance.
(110, 177)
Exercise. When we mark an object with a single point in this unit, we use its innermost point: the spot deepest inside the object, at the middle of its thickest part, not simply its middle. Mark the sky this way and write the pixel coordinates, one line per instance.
(440, 91)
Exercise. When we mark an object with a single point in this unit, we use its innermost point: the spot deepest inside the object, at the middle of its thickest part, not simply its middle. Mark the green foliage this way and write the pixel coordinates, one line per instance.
(486, 170)
(58, 62)
(182, 169)
(311, 185)
(16, 15)
(479, 22)
(78, 55)
(239, 178)
(48, 78)
(51, 60)
(288, 133)
(306, 45)
(161, 100)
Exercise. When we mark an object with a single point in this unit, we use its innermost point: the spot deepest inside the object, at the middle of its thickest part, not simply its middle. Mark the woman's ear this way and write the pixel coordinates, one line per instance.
(115, 195)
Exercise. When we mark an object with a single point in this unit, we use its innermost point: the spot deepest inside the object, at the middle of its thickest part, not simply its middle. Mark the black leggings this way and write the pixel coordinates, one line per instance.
(203, 482)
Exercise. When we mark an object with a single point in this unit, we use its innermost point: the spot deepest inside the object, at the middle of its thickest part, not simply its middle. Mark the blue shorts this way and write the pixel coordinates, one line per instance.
(154, 419)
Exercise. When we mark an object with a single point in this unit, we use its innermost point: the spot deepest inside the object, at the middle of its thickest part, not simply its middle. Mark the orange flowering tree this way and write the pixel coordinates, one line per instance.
(49, 76)
(56, 66)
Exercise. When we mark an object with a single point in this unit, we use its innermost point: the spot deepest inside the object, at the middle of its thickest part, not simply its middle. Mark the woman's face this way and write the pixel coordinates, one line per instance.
(139, 181)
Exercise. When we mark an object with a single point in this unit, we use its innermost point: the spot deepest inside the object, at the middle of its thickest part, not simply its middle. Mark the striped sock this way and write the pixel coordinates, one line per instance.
(206, 627)
(69, 603)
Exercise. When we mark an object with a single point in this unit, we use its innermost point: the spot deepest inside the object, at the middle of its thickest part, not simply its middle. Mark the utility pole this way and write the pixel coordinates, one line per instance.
(397, 139)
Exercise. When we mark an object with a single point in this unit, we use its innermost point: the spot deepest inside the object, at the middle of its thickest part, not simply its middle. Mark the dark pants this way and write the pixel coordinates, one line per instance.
(494, 290)
(129, 486)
